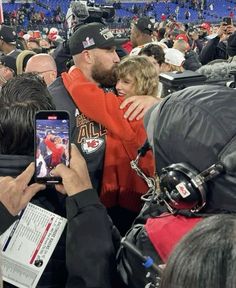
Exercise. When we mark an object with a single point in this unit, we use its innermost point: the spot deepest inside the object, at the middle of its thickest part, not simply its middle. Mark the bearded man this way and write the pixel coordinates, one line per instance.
(92, 47)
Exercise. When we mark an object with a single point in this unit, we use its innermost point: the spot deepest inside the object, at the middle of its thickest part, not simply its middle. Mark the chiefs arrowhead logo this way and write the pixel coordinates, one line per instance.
(91, 145)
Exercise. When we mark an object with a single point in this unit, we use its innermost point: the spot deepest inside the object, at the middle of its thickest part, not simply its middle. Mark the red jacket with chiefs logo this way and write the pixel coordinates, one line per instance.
(121, 185)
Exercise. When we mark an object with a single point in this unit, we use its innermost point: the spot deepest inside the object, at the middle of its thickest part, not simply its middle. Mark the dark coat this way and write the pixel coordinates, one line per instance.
(191, 61)
(90, 250)
(213, 50)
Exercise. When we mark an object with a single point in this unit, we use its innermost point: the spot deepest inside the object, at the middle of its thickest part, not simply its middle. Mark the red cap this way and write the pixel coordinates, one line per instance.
(52, 36)
(206, 26)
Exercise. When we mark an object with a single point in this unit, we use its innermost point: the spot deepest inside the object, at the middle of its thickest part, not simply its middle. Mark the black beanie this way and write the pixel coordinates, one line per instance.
(9, 62)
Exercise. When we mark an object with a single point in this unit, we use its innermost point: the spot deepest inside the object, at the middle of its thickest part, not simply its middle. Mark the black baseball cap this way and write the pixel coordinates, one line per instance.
(8, 34)
(145, 25)
(90, 36)
(9, 62)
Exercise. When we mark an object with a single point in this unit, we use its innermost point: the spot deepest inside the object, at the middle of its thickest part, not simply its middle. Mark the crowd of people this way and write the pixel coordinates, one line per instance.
(149, 192)
(27, 16)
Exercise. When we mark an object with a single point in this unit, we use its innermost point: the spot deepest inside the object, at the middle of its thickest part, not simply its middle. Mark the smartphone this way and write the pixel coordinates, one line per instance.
(227, 20)
(52, 144)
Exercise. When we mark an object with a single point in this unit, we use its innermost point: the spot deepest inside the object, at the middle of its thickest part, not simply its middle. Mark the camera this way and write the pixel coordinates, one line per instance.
(177, 81)
(89, 12)
(227, 21)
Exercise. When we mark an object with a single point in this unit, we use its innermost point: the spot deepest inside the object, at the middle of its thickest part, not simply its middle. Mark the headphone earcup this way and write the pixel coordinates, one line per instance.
(178, 188)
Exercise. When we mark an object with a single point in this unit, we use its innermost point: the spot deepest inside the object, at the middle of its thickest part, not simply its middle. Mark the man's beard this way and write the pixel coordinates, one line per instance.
(106, 78)
(203, 35)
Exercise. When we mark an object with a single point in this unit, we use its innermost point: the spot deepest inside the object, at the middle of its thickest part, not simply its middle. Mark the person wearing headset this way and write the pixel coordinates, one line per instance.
(192, 134)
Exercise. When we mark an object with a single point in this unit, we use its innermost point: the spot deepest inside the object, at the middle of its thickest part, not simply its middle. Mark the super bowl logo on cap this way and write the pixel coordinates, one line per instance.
(91, 145)
(88, 42)
(106, 33)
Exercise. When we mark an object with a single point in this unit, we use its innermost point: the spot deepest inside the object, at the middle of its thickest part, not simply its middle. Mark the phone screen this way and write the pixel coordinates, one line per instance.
(227, 20)
(52, 144)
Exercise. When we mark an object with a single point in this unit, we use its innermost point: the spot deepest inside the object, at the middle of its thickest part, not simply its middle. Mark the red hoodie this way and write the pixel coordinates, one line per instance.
(167, 230)
(121, 185)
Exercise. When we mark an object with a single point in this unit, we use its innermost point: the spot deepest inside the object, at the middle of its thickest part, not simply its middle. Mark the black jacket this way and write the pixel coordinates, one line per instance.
(130, 267)
(90, 250)
(191, 61)
(6, 219)
(213, 50)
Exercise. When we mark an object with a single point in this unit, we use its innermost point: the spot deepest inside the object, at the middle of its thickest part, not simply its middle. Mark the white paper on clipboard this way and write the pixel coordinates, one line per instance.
(28, 245)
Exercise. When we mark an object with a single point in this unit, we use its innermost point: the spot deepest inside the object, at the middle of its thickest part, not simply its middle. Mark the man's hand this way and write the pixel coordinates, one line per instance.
(6, 73)
(230, 29)
(195, 36)
(138, 106)
(15, 193)
(76, 178)
(222, 30)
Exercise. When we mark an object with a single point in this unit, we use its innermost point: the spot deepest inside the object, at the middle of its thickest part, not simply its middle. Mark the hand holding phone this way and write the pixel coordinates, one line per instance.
(227, 21)
(52, 144)
(76, 178)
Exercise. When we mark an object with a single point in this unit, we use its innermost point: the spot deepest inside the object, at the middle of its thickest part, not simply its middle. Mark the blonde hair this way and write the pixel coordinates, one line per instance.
(142, 71)
(174, 68)
(21, 60)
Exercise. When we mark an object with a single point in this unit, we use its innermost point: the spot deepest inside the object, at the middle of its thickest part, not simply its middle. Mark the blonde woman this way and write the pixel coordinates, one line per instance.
(136, 75)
